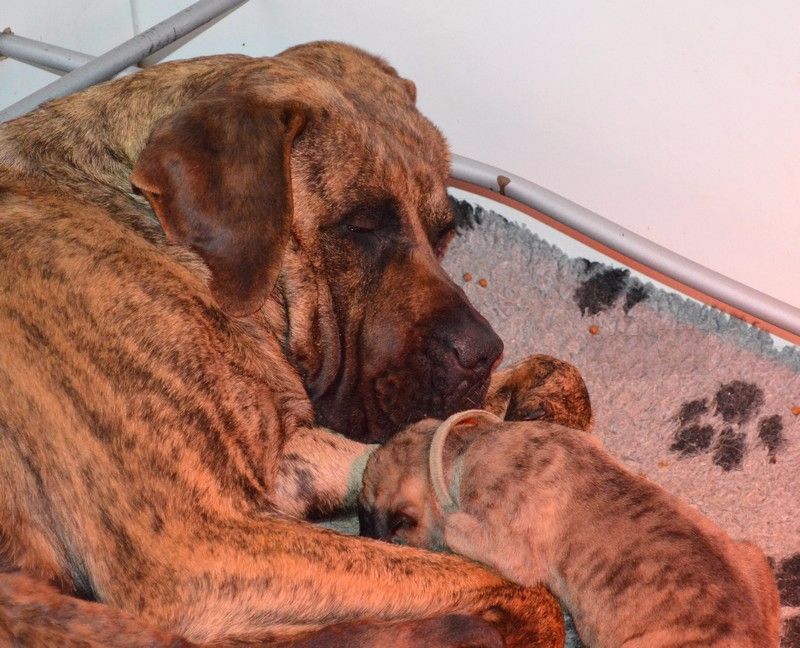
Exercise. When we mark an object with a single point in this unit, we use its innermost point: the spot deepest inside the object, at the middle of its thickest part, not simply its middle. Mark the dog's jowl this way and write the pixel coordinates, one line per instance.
(208, 270)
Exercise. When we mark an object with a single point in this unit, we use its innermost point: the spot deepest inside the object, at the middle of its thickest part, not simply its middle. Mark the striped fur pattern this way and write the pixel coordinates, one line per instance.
(210, 273)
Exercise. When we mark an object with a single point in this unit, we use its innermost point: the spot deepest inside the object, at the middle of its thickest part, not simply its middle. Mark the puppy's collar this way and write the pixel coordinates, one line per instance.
(355, 476)
(436, 459)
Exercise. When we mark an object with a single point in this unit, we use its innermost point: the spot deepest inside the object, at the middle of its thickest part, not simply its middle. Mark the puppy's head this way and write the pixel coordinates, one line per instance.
(408, 482)
(397, 503)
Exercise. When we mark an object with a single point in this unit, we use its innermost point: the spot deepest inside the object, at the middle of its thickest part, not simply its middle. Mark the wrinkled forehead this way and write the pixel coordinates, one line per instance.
(350, 159)
(366, 141)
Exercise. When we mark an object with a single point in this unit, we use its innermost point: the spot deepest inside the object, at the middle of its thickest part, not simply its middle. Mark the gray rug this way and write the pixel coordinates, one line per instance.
(697, 401)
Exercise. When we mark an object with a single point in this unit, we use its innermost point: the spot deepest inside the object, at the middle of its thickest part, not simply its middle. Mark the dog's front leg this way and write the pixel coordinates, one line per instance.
(449, 631)
(34, 613)
(278, 579)
(319, 473)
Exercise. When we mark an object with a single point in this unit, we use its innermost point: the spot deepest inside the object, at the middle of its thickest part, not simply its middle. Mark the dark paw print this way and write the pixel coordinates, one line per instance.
(790, 633)
(787, 576)
(603, 286)
(723, 432)
(468, 216)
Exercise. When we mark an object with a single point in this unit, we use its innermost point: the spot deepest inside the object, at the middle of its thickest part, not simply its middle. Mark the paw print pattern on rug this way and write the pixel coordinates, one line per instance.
(719, 426)
(791, 633)
(467, 217)
(603, 286)
(787, 576)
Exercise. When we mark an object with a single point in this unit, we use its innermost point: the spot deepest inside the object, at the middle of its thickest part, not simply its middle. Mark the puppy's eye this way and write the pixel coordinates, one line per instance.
(399, 520)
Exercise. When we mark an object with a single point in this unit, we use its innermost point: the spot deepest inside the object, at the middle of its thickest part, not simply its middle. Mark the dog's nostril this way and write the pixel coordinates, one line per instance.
(477, 349)
(469, 358)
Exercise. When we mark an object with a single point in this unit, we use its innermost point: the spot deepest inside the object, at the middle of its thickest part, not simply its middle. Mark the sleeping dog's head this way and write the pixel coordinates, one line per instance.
(310, 178)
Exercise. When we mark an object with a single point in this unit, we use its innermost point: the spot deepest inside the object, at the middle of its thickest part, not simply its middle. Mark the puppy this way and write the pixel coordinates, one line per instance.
(541, 502)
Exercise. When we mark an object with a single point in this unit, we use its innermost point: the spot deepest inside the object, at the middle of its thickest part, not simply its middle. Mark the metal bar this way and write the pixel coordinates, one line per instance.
(32, 51)
(46, 55)
(632, 245)
(130, 52)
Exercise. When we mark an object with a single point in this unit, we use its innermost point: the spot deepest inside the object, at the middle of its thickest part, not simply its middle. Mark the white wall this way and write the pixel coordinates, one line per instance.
(679, 120)
(90, 26)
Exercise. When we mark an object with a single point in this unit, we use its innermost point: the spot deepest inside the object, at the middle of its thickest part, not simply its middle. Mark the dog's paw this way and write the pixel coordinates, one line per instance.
(722, 426)
(449, 631)
(457, 631)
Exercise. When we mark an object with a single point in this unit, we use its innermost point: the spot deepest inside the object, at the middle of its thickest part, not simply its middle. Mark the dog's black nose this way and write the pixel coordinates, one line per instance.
(462, 356)
(475, 345)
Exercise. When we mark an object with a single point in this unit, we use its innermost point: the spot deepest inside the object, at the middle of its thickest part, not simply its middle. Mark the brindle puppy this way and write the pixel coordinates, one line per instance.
(537, 388)
(544, 503)
(206, 270)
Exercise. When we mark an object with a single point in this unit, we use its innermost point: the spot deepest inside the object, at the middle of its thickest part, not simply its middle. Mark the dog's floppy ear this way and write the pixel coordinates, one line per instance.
(217, 175)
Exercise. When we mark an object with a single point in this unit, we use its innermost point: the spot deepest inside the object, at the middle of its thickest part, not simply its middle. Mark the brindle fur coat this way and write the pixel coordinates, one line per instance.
(207, 270)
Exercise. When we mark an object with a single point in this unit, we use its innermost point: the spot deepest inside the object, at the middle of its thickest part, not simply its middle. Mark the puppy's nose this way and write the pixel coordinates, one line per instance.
(475, 345)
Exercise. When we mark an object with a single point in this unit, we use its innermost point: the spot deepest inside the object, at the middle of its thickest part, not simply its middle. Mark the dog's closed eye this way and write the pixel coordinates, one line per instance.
(533, 415)
(359, 229)
(371, 218)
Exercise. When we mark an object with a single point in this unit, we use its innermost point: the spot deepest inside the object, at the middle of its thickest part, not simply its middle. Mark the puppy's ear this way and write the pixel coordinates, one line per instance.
(217, 175)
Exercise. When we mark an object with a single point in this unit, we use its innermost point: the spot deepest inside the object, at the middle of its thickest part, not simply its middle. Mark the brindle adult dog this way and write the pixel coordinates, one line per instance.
(205, 268)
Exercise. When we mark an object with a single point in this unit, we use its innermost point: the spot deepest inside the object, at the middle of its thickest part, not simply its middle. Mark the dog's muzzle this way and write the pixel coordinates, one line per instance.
(463, 357)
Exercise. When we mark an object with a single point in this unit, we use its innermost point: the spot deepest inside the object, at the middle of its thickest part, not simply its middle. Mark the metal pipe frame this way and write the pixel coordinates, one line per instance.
(128, 53)
(52, 57)
(639, 249)
(35, 52)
